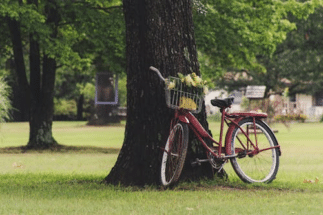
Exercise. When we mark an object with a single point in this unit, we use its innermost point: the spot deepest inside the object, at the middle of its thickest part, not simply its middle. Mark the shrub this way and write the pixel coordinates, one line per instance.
(5, 104)
(321, 120)
(66, 108)
(290, 117)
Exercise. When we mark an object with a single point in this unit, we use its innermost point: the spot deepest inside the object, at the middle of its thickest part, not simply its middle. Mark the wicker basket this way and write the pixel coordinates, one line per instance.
(182, 96)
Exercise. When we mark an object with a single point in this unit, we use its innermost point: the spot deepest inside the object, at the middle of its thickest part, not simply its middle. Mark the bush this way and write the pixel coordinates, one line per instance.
(321, 120)
(5, 104)
(64, 109)
(290, 117)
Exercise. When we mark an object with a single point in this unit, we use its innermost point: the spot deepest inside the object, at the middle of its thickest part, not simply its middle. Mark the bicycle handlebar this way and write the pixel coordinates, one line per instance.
(158, 73)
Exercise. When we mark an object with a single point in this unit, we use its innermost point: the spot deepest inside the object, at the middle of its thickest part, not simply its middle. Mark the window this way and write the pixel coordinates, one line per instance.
(292, 98)
(318, 99)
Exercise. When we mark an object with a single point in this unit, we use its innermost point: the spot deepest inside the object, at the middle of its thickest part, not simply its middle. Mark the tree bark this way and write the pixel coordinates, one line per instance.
(161, 34)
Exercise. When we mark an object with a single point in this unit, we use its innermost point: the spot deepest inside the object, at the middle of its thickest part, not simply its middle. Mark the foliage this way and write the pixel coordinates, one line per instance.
(65, 107)
(297, 62)
(290, 117)
(85, 29)
(122, 93)
(231, 34)
(5, 103)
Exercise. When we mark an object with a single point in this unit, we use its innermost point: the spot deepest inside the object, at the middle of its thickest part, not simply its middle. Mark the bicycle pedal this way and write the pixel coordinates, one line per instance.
(196, 162)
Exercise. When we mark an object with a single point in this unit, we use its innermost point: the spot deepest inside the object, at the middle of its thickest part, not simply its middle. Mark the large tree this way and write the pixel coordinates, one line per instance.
(161, 34)
(48, 33)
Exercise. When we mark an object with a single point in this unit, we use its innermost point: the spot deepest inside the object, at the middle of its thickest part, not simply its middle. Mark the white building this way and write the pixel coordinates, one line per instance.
(222, 94)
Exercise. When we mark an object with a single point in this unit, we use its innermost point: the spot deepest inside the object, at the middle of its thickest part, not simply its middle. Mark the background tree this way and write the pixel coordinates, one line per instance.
(49, 33)
(295, 63)
(231, 35)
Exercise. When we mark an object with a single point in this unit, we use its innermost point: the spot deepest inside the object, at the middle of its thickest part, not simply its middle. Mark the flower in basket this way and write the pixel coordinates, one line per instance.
(187, 103)
(190, 80)
(171, 84)
(197, 80)
(205, 90)
(194, 80)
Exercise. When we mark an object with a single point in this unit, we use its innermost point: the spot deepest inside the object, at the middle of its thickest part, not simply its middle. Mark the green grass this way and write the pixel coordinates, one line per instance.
(70, 183)
(66, 133)
(301, 147)
(84, 194)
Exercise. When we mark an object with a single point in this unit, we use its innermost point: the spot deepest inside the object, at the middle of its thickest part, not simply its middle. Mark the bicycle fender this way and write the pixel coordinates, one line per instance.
(183, 119)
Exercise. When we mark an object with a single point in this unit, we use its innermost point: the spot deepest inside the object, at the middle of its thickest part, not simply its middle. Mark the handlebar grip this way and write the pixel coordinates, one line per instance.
(158, 73)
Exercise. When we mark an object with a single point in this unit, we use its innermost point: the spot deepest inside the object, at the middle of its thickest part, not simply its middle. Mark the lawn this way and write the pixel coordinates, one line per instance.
(67, 133)
(70, 183)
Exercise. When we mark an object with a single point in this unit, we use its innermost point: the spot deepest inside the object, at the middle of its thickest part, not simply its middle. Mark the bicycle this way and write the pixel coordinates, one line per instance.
(250, 144)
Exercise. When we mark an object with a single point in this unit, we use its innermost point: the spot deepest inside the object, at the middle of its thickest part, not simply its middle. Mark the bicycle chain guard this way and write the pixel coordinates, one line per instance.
(215, 163)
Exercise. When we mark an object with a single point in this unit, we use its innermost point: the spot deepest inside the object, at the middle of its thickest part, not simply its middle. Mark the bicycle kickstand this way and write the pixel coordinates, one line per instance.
(199, 162)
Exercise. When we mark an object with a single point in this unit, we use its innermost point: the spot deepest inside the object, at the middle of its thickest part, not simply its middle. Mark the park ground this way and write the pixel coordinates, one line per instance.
(70, 181)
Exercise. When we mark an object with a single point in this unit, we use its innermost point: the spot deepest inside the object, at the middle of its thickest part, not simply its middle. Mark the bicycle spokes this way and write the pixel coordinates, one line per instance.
(257, 156)
(174, 154)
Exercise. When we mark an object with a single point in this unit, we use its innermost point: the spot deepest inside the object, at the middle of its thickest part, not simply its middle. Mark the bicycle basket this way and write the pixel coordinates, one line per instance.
(179, 95)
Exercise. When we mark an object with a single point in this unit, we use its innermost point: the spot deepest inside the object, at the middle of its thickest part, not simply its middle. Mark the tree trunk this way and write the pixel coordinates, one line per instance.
(42, 109)
(20, 68)
(79, 114)
(39, 92)
(158, 33)
(20, 112)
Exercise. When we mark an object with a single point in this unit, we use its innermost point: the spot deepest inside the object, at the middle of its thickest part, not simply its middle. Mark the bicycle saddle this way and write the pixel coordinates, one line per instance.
(222, 103)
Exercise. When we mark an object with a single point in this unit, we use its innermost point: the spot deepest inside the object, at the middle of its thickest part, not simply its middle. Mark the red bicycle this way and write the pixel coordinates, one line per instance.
(249, 144)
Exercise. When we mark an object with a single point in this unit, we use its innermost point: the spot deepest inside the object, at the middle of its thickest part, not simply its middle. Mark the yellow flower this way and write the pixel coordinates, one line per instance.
(187, 103)
(189, 81)
(205, 90)
(171, 85)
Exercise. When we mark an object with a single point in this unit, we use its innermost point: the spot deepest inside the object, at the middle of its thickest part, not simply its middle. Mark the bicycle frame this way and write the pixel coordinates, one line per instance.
(231, 120)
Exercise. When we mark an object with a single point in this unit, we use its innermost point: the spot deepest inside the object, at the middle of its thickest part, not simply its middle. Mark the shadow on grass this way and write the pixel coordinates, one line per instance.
(60, 149)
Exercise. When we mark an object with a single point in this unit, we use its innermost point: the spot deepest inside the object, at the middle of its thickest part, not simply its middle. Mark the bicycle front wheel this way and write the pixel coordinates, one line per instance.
(174, 154)
(252, 166)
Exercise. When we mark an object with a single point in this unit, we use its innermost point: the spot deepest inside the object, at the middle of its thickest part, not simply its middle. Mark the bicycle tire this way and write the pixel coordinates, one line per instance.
(174, 154)
(262, 167)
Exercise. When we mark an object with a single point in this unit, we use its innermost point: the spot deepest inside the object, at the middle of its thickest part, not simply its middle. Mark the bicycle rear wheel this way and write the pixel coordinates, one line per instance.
(258, 167)
(174, 154)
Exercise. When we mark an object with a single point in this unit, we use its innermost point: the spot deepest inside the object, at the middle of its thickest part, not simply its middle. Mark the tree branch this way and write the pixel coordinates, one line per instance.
(91, 6)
